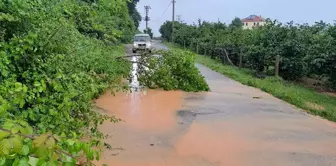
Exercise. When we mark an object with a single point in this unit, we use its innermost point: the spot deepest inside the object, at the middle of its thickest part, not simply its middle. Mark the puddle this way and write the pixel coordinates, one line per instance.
(146, 110)
(135, 85)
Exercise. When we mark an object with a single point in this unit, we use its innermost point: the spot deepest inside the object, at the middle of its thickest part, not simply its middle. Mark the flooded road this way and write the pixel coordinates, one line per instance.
(233, 125)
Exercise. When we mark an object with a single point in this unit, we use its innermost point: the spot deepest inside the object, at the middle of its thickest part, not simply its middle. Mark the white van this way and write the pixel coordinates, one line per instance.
(142, 42)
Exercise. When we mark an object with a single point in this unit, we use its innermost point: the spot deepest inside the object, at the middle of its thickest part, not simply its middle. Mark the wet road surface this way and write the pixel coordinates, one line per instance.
(233, 125)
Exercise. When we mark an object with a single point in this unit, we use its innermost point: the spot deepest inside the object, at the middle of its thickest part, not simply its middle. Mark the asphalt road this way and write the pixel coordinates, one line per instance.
(233, 125)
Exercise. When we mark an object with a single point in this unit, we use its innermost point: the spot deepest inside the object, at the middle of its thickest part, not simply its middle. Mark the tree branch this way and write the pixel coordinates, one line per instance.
(227, 56)
(65, 153)
(26, 136)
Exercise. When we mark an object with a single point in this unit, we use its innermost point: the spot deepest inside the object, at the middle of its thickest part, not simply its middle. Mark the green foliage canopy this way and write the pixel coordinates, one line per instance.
(55, 57)
(305, 50)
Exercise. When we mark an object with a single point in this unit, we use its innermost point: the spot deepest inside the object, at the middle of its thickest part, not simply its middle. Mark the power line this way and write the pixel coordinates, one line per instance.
(163, 12)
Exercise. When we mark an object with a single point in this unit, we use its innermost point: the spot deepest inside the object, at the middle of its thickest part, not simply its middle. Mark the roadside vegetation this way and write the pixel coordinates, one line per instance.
(305, 51)
(55, 57)
(172, 70)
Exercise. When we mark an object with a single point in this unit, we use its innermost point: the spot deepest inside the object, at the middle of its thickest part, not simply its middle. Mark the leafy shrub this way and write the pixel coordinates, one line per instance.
(55, 57)
(174, 69)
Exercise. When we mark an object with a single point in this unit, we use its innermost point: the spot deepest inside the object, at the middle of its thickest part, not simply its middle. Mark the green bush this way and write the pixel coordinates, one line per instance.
(55, 57)
(173, 70)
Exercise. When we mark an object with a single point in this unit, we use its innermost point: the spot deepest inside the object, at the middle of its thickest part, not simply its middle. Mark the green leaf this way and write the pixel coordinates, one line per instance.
(26, 130)
(41, 152)
(51, 163)
(90, 155)
(39, 141)
(33, 161)
(3, 134)
(24, 150)
(22, 102)
(25, 89)
(42, 163)
(15, 129)
(18, 87)
(3, 112)
(37, 84)
(12, 156)
(5, 146)
(71, 142)
(8, 125)
(78, 146)
(68, 159)
(97, 155)
(50, 143)
(16, 144)
(2, 160)
(21, 162)
(69, 164)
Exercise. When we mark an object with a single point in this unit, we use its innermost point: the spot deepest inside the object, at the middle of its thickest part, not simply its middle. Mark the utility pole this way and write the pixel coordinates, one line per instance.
(147, 17)
(173, 19)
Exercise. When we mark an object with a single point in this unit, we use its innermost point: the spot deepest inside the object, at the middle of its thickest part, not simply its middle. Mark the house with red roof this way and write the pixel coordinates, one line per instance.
(252, 21)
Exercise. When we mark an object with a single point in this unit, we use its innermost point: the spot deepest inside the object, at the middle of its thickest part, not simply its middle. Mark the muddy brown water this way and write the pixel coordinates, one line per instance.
(152, 110)
(233, 125)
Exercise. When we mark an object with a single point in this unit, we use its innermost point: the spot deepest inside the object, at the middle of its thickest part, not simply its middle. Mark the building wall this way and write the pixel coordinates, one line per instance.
(250, 25)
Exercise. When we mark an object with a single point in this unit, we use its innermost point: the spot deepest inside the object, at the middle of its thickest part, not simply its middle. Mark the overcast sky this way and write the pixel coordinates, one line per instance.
(300, 11)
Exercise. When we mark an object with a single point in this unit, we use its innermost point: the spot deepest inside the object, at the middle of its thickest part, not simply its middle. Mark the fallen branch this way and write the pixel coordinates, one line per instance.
(128, 56)
(139, 63)
(139, 55)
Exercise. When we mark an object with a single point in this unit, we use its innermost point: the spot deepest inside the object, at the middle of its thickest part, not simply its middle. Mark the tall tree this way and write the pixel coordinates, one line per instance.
(166, 30)
(236, 23)
(133, 12)
(149, 32)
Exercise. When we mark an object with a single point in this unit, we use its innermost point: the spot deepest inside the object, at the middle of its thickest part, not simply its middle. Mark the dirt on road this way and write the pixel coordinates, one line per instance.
(233, 125)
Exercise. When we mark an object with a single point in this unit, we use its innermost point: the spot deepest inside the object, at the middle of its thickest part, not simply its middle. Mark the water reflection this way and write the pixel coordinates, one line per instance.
(135, 83)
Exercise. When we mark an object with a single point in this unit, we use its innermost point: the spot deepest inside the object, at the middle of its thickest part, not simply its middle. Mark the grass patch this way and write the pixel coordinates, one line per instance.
(305, 98)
